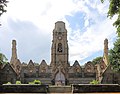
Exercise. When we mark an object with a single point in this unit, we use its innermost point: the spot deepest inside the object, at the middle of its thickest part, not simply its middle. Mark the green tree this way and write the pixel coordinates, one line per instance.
(114, 9)
(3, 4)
(114, 56)
(3, 59)
(97, 60)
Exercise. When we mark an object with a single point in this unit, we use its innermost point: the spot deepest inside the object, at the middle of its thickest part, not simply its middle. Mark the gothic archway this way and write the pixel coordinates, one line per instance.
(60, 78)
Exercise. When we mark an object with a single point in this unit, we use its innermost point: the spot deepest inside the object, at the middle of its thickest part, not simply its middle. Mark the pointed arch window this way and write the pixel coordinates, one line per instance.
(59, 47)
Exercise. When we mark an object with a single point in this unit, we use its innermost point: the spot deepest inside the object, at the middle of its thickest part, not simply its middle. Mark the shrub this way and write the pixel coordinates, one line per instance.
(18, 82)
(37, 82)
(8, 83)
(95, 82)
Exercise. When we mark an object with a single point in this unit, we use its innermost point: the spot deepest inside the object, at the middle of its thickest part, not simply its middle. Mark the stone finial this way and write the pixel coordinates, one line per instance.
(105, 55)
(14, 43)
(106, 46)
(106, 42)
(14, 52)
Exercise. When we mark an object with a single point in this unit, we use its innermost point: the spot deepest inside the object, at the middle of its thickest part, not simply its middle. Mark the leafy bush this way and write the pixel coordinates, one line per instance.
(18, 82)
(35, 82)
(31, 83)
(8, 83)
(95, 82)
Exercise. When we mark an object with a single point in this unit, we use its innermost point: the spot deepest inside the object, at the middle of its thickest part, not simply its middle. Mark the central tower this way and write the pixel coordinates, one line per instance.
(59, 50)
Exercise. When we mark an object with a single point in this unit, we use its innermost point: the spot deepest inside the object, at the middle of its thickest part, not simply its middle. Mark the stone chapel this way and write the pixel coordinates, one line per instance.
(59, 71)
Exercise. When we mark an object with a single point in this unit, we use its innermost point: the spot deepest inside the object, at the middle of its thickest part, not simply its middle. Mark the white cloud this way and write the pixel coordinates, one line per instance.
(85, 44)
(32, 22)
(92, 40)
(42, 13)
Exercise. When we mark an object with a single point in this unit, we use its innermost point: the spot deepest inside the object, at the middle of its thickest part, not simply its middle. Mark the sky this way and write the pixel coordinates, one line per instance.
(31, 22)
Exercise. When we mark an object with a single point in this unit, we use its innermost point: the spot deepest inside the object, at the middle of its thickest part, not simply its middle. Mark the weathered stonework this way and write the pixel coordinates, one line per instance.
(105, 55)
(59, 72)
(15, 62)
(59, 53)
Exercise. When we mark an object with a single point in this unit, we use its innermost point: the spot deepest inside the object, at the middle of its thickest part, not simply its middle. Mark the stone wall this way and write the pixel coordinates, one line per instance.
(102, 88)
(23, 88)
(80, 80)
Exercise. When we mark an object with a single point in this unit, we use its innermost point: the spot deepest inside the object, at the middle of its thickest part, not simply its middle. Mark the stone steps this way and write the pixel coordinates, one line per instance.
(60, 89)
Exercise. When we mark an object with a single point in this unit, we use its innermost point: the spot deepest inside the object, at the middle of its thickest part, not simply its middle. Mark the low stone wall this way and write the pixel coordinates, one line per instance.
(24, 88)
(82, 88)
(101, 88)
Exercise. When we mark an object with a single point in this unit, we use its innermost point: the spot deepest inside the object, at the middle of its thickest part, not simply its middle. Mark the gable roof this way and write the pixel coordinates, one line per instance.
(43, 63)
(8, 65)
(31, 63)
(76, 63)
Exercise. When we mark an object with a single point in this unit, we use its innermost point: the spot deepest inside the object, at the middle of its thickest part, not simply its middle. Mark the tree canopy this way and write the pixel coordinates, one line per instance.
(114, 55)
(3, 4)
(97, 60)
(114, 9)
(3, 58)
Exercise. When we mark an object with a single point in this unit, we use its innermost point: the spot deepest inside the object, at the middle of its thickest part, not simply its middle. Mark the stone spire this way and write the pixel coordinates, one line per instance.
(105, 55)
(14, 53)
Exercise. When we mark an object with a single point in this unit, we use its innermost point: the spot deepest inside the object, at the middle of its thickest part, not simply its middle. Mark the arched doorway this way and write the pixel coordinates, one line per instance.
(59, 78)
